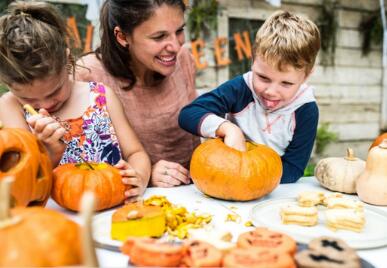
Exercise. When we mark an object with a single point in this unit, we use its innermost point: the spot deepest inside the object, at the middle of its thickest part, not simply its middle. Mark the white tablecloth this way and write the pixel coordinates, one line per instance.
(190, 197)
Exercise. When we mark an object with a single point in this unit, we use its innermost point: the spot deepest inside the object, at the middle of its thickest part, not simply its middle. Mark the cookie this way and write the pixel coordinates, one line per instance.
(340, 202)
(327, 196)
(346, 219)
(333, 247)
(310, 198)
(254, 257)
(293, 214)
(153, 252)
(201, 254)
(328, 252)
(264, 238)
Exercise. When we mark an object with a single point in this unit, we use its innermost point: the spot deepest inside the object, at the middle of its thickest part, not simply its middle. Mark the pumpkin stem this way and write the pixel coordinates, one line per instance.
(5, 197)
(87, 209)
(350, 155)
(5, 194)
(383, 144)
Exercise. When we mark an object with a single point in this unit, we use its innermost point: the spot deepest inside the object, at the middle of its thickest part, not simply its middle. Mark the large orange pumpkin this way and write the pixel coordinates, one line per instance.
(25, 158)
(378, 140)
(36, 237)
(223, 172)
(71, 180)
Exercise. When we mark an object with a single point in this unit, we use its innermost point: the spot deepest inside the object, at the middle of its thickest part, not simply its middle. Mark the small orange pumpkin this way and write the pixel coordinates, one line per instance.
(23, 157)
(36, 237)
(378, 140)
(223, 172)
(71, 180)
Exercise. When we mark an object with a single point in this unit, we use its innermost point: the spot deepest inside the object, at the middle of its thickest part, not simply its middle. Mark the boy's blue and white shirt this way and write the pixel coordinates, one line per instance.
(290, 130)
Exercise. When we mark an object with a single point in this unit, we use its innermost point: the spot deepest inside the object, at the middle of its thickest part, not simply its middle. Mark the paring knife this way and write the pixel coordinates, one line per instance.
(32, 111)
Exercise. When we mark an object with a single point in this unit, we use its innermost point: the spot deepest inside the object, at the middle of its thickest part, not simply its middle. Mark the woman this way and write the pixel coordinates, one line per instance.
(142, 59)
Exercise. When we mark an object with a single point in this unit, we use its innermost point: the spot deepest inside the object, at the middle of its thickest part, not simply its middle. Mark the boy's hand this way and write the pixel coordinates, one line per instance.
(169, 174)
(48, 130)
(232, 136)
(132, 178)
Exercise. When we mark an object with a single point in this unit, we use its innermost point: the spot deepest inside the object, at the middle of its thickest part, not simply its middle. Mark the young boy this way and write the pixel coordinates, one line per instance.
(271, 104)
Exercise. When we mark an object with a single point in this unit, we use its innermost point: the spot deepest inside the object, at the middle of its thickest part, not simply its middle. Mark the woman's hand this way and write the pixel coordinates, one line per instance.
(131, 178)
(169, 174)
(49, 131)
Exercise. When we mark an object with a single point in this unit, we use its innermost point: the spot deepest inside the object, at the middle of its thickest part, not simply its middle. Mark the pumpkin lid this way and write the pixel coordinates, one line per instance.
(136, 211)
(6, 219)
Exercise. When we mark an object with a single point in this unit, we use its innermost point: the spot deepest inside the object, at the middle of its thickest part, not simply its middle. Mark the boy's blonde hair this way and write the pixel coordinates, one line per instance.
(286, 39)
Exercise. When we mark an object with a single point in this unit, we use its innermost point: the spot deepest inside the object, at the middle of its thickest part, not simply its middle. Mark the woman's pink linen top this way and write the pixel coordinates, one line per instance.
(153, 111)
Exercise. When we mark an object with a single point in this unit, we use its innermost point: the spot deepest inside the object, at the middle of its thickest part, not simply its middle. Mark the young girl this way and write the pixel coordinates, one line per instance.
(76, 119)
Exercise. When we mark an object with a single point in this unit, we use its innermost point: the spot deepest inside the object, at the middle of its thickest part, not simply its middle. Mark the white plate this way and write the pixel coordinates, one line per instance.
(374, 234)
(101, 231)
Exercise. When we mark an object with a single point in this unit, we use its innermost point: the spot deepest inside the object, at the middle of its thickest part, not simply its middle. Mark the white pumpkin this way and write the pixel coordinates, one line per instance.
(340, 173)
(372, 183)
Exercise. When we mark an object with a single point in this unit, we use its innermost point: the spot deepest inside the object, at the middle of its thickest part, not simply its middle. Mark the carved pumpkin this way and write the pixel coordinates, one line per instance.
(371, 186)
(25, 158)
(37, 237)
(71, 180)
(223, 172)
(340, 173)
(378, 140)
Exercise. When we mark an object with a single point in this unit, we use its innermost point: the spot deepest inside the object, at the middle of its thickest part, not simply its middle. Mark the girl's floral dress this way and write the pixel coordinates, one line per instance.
(92, 135)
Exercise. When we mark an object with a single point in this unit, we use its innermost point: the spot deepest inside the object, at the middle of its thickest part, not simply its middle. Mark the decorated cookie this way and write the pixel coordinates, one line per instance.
(264, 238)
(152, 252)
(256, 257)
(201, 254)
(328, 252)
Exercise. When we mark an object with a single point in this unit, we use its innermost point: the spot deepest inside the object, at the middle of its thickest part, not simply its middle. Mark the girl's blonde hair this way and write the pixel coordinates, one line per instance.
(286, 39)
(32, 42)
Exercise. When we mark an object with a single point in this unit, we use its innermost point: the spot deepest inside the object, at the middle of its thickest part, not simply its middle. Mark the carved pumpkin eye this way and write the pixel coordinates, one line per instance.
(26, 159)
(40, 173)
(9, 160)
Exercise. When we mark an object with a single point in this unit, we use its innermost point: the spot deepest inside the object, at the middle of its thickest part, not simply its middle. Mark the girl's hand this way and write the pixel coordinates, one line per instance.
(48, 130)
(169, 174)
(131, 178)
(232, 136)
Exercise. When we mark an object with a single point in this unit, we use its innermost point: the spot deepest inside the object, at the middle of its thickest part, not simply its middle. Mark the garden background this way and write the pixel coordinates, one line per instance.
(349, 78)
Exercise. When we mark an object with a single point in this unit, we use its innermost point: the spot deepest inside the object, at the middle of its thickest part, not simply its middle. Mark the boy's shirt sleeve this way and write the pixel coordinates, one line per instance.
(298, 152)
(205, 114)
